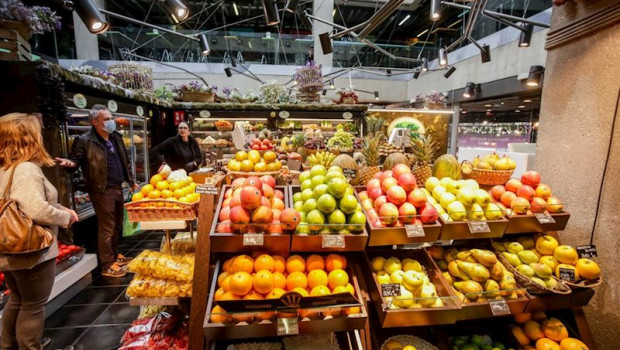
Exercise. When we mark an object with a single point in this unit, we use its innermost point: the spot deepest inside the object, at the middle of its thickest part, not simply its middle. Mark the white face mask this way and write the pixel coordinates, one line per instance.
(109, 126)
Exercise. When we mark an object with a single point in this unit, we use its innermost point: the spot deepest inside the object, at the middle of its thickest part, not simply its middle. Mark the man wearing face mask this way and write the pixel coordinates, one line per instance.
(103, 158)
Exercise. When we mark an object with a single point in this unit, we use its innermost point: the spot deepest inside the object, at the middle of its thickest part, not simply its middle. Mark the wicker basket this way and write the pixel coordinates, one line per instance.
(585, 283)
(198, 96)
(225, 127)
(143, 211)
(405, 339)
(530, 285)
(488, 177)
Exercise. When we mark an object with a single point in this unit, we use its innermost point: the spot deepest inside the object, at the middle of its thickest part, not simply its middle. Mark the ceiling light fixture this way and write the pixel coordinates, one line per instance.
(235, 8)
(488, 106)
(90, 15)
(485, 53)
(517, 111)
(326, 43)
(331, 84)
(291, 6)
(228, 72)
(305, 20)
(521, 106)
(443, 57)
(526, 35)
(535, 76)
(204, 44)
(404, 20)
(272, 17)
(178, 9)
(527, 101)
(449, 72)
(424, 64)
(334, 13)
(377, 95)
(469, 90)
(416, 75)
(435, 10)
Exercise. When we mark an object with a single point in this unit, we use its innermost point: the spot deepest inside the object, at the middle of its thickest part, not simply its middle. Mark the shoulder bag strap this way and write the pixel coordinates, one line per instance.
(7, 190)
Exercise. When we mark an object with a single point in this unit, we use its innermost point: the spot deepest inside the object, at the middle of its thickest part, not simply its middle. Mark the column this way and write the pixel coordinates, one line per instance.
(86, 44)
(322, 9)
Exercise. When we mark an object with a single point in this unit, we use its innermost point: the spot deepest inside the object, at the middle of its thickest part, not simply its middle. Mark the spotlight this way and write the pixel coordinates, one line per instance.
(272, 17)
(377, 95)
(204, 44)
(178, 9)
(469, 90)
(485, 54)
(331, 84)
(291, 5)
(389, 72)
(535, 75)
(90, 15)
(416, 75)
(228, 72)
(305, 20)
(435, 10)
(324, 92)
(526, 35)
(449, 72)
(233, 61)
(326, 43)
(443, 57)
(424, 64)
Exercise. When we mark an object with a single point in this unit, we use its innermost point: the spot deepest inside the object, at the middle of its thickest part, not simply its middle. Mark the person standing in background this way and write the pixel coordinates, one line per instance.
(103, 158)
(30, 277)
(179, 152)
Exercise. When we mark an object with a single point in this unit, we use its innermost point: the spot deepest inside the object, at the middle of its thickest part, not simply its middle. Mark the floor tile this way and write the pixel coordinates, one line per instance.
(96, 295)
(103, 281)
(148, 245)
(118, 314)
(101, 338)
(72, 316)
(63, 337)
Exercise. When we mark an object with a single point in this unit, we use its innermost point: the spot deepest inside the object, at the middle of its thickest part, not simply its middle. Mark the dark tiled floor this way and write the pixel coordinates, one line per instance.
(99, 315)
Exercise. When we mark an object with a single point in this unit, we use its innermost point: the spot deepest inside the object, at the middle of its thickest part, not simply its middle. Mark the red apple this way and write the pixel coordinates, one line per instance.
(407, 181)
(531, 178)
(387, 183)
(400, 169)
(526, 192)
(378, 175)
(428, 214)
(554, 205)
(389, 213)
(253, 181)
(267, 191)
(380, 201)
(268, 180)
(237, 183)
(279, 194)
(538, 205)
(374, 183)
(507, 198)
(386, 174)
(397, 195)
(497, 191)
(256, 147)
(519, 205)
(225, 213)
(417, 197)
(513, 185)
(406, 213)
(362, 195)
(543, 191)
(228, 193)
(375, 193)
(263, 147)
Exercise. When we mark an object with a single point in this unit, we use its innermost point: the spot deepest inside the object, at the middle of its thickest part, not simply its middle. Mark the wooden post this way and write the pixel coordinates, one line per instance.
(201, 268)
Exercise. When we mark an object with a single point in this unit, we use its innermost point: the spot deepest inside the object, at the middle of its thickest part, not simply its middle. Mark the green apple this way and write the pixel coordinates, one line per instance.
(397, 276)
(456, 211)
(412, 280)
(445, 181)
(430, 183)
(299, 206)
(348, 203)
(336, 219)
(467, 196)
(306, 185)
(476, 213)
(332, 174)
(317, 180)
(335, 168)
(446, 199)
(297, 197)
(438, 191)
(318, 170)
(305, 175)
(392, 264)
(453, 187)
(307, 194)
(319, 190)
(357, 221)
(383, 277)
(483, 198)
(493, 212)
(310, 205)
(326, 203)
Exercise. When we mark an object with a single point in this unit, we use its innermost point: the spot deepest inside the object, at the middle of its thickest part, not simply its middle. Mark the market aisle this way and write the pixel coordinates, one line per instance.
(97, 317)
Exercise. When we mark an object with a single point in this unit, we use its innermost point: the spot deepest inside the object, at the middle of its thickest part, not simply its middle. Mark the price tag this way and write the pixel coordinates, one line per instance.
(206, 190)
(499, 307)
(478, 227)
(112, 106)
(544, 218)
(204, 114)
(288, 326)
(415, 231)
(253, 239)
(140, 111)
(390, 290)
(333, 241)
(349, 173)
(567, 274)
(347, 115)
(284, 114)
(587, 251)
(80, 101)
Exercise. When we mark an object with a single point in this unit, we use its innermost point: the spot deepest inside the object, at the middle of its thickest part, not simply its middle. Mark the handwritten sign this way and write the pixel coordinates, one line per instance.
(333, 241)
(478, 227)
(544, 218)
(349, 173)
(499, 307)
(587, 251)
(288, 326)
(415, 231)
(390, 290)
(206, 190)
(253, 239)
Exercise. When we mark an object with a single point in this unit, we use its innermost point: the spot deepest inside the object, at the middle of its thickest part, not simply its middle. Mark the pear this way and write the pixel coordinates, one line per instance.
(412, 280)
(513, 259)
(466, 256)
(551, 283)
(492, 288)
(539, 281)
(476, 213)
(541, 270)
(448, 277)
(404, 300)
(508, 283)
(484, 165)
(475, 161)
(467, 196)
(499, 246)
(483, 198)
(514, 247)
(527, 242)
(456, 211)
(461, 297)
(454, 269)
(493, 212)
(439, 303)
(525, 270)
(450, 254)
(442, 264)
(475, 271)
(528, 256)
(497, 271)
(412, 265)
(428, 295)
(485, 257)
(471, 289)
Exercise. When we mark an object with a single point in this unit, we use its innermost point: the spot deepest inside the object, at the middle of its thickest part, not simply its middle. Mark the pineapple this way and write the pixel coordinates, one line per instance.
(424, 152)
(370, 152)
(374, 125)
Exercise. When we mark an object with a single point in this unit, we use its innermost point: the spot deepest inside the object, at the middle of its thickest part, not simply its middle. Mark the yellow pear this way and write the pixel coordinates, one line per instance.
(471, 289)
(454, 269)
(497, 271)
(485, 257)
(475, 271)
(492, 289)
(465, 255)
(450, 254)
(448, 277)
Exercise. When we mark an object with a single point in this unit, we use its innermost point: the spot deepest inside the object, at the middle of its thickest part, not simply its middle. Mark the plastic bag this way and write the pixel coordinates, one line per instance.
(146, 287)
(163, 266)
(130, 228)
(161, 332)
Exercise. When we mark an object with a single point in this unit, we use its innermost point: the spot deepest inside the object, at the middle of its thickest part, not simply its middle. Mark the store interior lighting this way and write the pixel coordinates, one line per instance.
(204, 44)
(535, 76)
(91, 16)
(272, 17)
(469, 90)
(526, 35)
(326, 43)
(177, 9)
(435, 10)
(443, 57)
(449, 72)
(424, 64)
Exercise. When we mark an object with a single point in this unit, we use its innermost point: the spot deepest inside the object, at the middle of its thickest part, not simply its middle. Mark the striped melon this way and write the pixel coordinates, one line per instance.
(447, 166)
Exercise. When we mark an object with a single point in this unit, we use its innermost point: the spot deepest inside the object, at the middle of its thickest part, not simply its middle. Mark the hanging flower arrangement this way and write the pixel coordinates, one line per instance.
(39, 19)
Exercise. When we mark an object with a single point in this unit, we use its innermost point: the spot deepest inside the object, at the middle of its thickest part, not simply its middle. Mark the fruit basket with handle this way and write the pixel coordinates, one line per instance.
(160, 210)
(488, 177)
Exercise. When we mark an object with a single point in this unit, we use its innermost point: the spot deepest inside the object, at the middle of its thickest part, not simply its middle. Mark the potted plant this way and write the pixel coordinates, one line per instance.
(14, 15)
(432, 100)
(309, 79)
(347, 96)
(195, 91)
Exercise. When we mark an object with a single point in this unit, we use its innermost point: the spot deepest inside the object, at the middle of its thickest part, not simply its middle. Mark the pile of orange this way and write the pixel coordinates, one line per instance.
(271, 276)
(160, 188)
(252, 161)
(537, 332)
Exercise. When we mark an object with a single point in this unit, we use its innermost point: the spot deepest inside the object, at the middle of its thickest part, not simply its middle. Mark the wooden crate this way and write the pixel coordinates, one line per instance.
(528, 223)
(460, 229)
(13, 47)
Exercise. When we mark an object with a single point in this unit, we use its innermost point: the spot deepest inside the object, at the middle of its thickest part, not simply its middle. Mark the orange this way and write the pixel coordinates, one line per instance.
(162, 185)
(352, 310)
(295, 263)
(218, 294)
(533, 330)
(539, 316)
(221, 278)
(303, 292)
(240, 283)
(337, 278)
(331, 312)
(297, 279)
(307, 313)
(243, 263)
(276, 293)
(254, 156)
(226, 283)
(227, 265)
(166, 194)
(315, 262)
(146, 189)
(350, 289)
(155, 179)
(253, 295)
(546, 344)
(335, 261)
(266, 316)
(263, 281)
(572, 344)
(270, 156)
(178, 193)
(554, 329)
(340, 289)
(279, 264)
(173, 186)
(219, 315)
(522, 318)
(279, 279)
(264, 262)
(243, 317)
(319, 290)
(229, 296)
(137, 197)
(317, 278)
(154, 194)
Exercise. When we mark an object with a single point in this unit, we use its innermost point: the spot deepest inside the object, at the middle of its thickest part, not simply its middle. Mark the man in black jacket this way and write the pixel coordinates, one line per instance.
(103, 158)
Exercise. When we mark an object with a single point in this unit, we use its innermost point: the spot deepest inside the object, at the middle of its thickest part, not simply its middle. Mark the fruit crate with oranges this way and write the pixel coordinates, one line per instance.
(315, 293)
(254, 163)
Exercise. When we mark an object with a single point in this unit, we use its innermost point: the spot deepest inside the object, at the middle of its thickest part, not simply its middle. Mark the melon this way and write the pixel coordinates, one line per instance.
(345, 161)
(447, 166)
(395, 159)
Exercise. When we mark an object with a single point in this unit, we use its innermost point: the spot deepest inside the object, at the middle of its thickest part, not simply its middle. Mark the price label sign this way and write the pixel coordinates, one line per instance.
(567, 274)
(206, 190)
(499, 307)
(390, 290)
(349, 173)
(254, 239)
(478, 227)
(587, 251)
(415, 231)
(333, 241)
(544, 218)
(288, 326)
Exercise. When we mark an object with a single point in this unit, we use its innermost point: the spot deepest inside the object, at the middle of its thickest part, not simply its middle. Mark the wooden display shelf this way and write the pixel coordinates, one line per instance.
(528, 223)
(460, 230)
(164, 301)
(552, 301)
(388, 318)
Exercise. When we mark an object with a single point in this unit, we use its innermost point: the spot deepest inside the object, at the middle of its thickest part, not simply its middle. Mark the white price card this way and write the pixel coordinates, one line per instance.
(478, 227)
(288, 326)
(415, 231)
(206, 190)
(544, 218)
(499, 307)
(332, 241)
(390, 289)
(257, 239)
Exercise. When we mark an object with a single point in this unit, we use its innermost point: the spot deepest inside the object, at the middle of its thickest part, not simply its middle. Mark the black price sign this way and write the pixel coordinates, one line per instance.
(349, 173)
(567, 274)
(333, 241)
(499, 307)
(478, 227)
(206, 190)
(587, 251)
(390, 290)
(253, 239)
(288, 326)
(415, 231)
(544, 218)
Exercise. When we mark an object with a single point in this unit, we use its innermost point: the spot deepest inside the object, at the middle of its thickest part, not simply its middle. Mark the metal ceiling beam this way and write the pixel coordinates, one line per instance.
(492, 14)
